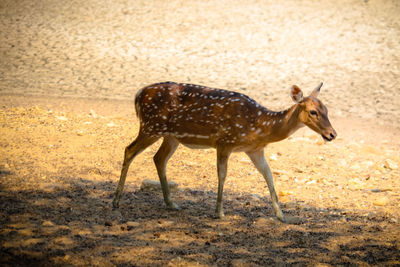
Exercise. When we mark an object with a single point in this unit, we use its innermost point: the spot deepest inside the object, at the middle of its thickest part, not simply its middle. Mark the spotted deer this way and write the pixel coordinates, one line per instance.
(202, 117)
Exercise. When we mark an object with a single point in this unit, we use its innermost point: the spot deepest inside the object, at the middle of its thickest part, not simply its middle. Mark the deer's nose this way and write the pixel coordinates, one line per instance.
(333, 134)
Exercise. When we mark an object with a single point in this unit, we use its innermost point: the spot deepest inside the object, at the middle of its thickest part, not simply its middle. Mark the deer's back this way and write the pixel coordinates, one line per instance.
(195, 113)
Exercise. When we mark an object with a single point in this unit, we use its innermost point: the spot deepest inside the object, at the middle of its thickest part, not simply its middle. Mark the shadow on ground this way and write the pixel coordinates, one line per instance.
(74, 224)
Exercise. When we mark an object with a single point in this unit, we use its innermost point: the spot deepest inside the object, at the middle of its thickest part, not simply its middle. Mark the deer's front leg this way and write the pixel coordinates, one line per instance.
(222, 167)
(257, 157)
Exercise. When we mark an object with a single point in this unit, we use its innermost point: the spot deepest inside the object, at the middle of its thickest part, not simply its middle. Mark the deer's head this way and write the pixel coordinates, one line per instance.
(313, 113)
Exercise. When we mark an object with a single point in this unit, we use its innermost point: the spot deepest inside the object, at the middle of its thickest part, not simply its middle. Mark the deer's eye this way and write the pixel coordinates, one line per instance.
(313, 112)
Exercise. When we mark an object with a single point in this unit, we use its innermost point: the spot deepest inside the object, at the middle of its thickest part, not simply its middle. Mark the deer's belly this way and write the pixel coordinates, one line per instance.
(196, 141)
(196, 146)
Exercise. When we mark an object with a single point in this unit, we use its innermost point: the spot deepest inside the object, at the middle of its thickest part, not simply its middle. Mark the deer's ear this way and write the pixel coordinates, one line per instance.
(296, 94)
(315, 92)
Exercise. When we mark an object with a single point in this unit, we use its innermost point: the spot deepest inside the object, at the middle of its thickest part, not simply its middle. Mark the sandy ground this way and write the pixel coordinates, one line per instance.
(109, 49)
(68, 75)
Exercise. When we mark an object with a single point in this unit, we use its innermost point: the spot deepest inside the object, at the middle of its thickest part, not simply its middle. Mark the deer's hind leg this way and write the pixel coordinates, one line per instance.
(135, 148)
(164, 153)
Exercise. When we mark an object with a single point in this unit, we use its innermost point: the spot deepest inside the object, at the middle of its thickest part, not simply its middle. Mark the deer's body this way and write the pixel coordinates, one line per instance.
(202, 117)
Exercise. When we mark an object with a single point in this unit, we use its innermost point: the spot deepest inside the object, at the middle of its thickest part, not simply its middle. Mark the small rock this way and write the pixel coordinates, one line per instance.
(79, 133)
(61, 118)
(151, 185)
(263, 222)
(383, 201)
(130, 225)
(178, 261)
(320, 142)
(356, 167)
(343, 162)
(108, 223)
(48, 223)
(93, 114)
(163, 223)
(311, 182)
(273, 157)
(355, 181)
(391, 165)
(111, 124)
(240, 263)
(368, 163)
(256, 197)
(6, 167)
(284, 193)
(284, 177)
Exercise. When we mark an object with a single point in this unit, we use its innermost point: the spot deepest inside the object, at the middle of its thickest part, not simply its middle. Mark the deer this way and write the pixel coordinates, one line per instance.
(203, 117)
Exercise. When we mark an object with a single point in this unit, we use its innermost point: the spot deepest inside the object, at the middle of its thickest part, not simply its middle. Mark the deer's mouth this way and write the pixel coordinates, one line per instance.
(326, 138)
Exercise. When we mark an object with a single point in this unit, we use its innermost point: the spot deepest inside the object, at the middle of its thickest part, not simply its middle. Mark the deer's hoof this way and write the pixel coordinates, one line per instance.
(115, 204)
(282, 219)
(173, 206)
(220, 215)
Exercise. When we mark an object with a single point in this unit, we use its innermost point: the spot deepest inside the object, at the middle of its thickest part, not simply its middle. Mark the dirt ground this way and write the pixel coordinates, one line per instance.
(69, 71)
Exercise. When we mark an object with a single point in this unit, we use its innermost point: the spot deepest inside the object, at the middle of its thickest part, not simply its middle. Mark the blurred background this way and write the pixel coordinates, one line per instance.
(110, 49)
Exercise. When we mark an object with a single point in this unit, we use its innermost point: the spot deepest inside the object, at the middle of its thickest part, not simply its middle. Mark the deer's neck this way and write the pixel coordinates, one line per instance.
(280, 125)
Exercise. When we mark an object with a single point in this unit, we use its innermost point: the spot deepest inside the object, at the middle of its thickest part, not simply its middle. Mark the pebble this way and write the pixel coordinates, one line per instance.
(111, 124)
(256, 197)
(273, 157)
(311, 182)
(6, 167)
(320, 142)
(343, 162)
(383, 201)
(47, 223)
(164, 223)
(240, 263)
(391, 165)
(93, 114)
(284, 193)
(61, 118)
(132, 224)
(151, 185)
